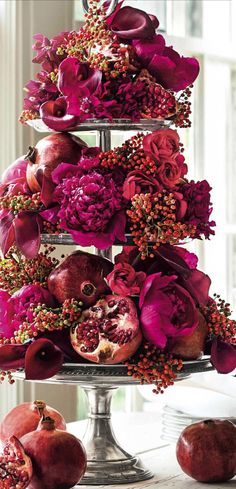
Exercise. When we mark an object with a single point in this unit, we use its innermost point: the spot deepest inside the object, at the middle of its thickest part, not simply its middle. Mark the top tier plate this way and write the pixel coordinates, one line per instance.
(103, 124)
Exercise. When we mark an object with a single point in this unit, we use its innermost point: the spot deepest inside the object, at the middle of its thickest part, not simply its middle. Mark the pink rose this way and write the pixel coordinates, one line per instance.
(161, 145)
(167, 309)
(139, 183)
(124, 280)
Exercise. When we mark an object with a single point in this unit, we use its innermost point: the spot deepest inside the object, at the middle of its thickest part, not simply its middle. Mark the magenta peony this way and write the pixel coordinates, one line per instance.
(162, 145)
(167, 309)
(91, 207)
(124, 280)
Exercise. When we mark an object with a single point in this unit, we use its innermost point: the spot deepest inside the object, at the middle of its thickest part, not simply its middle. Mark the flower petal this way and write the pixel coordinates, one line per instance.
(223, 356)
(27, 226)
(12, 356)
(7, 232)
(132, 23)
(42, 360)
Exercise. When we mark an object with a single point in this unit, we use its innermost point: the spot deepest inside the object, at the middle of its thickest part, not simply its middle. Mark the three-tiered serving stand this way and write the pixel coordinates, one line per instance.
(108, 462)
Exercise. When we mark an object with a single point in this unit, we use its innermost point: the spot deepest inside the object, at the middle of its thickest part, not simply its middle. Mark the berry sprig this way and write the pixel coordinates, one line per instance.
(6, 375)
(182, 117)
(16, 271)
(21, 202)
(153, 220)
(217, 314)
(49, 319)
(130, 156)
(28, 115)
(153, 366)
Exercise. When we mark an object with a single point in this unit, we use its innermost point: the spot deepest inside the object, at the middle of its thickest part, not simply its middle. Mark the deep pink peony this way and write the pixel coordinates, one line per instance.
(197, 196)
(124, 280)
(78, 79)
(172, 71)
(138, 182)
(132, 23)
(167, 309)
(54, 114)
(223, 356)
(91, 207)
(161, 145)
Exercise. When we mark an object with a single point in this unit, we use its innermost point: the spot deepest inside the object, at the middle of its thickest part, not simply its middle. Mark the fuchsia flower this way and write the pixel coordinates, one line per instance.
(167, 309)
(172, 71)
(78, 79)
(13, 179)
(199, 209)
(12, 231)
(124, 280)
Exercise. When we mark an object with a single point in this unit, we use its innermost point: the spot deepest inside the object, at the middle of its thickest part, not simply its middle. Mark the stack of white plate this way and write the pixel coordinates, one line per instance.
(173, 422)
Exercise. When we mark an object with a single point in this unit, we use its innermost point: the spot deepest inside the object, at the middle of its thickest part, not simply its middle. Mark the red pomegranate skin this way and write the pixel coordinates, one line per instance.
(80, 276)
(206, 450)
(25, 418)
(59, 459)
(108, 332)
(48, 153)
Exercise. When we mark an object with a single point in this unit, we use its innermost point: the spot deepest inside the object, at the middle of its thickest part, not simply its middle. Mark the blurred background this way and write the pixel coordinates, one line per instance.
(203, 29)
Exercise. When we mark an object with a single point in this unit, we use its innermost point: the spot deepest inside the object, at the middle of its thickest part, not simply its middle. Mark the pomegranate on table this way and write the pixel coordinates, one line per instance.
(15, 466)
(109, 331)
(206, 450)
(80, 276)
(48, 153)
(25, 418)
(58, 458)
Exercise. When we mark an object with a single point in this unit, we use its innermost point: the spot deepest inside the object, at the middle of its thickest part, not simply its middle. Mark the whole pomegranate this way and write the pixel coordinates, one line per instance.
(80, 276)
(48, 153)
(109, 331)
(15, 466)
(25, 418)
(206, 450)
(58, 458)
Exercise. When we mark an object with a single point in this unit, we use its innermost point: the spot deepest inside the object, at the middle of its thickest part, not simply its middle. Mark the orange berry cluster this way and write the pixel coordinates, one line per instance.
(217, 314)
(21, 202)
(28, 115)
(153, 221)
(16, 271)
(153, 366)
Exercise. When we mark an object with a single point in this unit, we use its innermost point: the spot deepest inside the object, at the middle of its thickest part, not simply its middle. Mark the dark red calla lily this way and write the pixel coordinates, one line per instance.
(27, 227)
(78, 79)
(132, 23)
(12, 356)
(223, 356)
(43, 359)
(54, 114)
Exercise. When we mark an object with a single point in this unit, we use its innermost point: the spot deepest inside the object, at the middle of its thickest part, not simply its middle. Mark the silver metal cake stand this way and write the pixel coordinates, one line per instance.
(108, 462)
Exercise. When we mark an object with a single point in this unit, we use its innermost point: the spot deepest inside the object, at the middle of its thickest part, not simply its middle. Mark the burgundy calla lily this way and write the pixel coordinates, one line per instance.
(78, 79)
(132, 23)
(223, 356)
(12, 356)
(13, 231)
(42, 360)
(54, 114)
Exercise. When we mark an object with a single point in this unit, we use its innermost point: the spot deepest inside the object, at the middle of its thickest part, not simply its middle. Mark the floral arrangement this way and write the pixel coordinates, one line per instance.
(98, 197)
(150, 310)
(114, 67)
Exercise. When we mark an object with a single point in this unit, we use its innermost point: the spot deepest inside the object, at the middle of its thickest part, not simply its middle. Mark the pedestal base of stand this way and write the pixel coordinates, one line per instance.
(115, 472)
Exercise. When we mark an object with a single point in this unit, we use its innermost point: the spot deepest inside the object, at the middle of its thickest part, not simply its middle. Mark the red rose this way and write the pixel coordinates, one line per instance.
(123, 280)
(139, 183)
(161, 145)
(171, 171)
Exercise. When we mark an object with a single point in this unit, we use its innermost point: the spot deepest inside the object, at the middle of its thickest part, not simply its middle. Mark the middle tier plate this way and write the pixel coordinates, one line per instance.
(105, 124)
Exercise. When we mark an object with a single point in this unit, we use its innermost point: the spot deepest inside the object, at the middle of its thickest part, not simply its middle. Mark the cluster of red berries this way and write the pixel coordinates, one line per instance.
(16, 271)
(153, 220)
(49, 319)
(153, 366)
(130, 156)
(28, 115)
(182, 117)
(217, 314)
(6, 374)
(21, 202)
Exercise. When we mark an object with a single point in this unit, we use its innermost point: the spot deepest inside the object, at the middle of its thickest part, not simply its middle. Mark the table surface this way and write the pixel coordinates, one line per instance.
(140, 433)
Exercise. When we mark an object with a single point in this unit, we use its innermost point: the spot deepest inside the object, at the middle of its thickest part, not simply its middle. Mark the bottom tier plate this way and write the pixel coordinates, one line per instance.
(80, 373)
